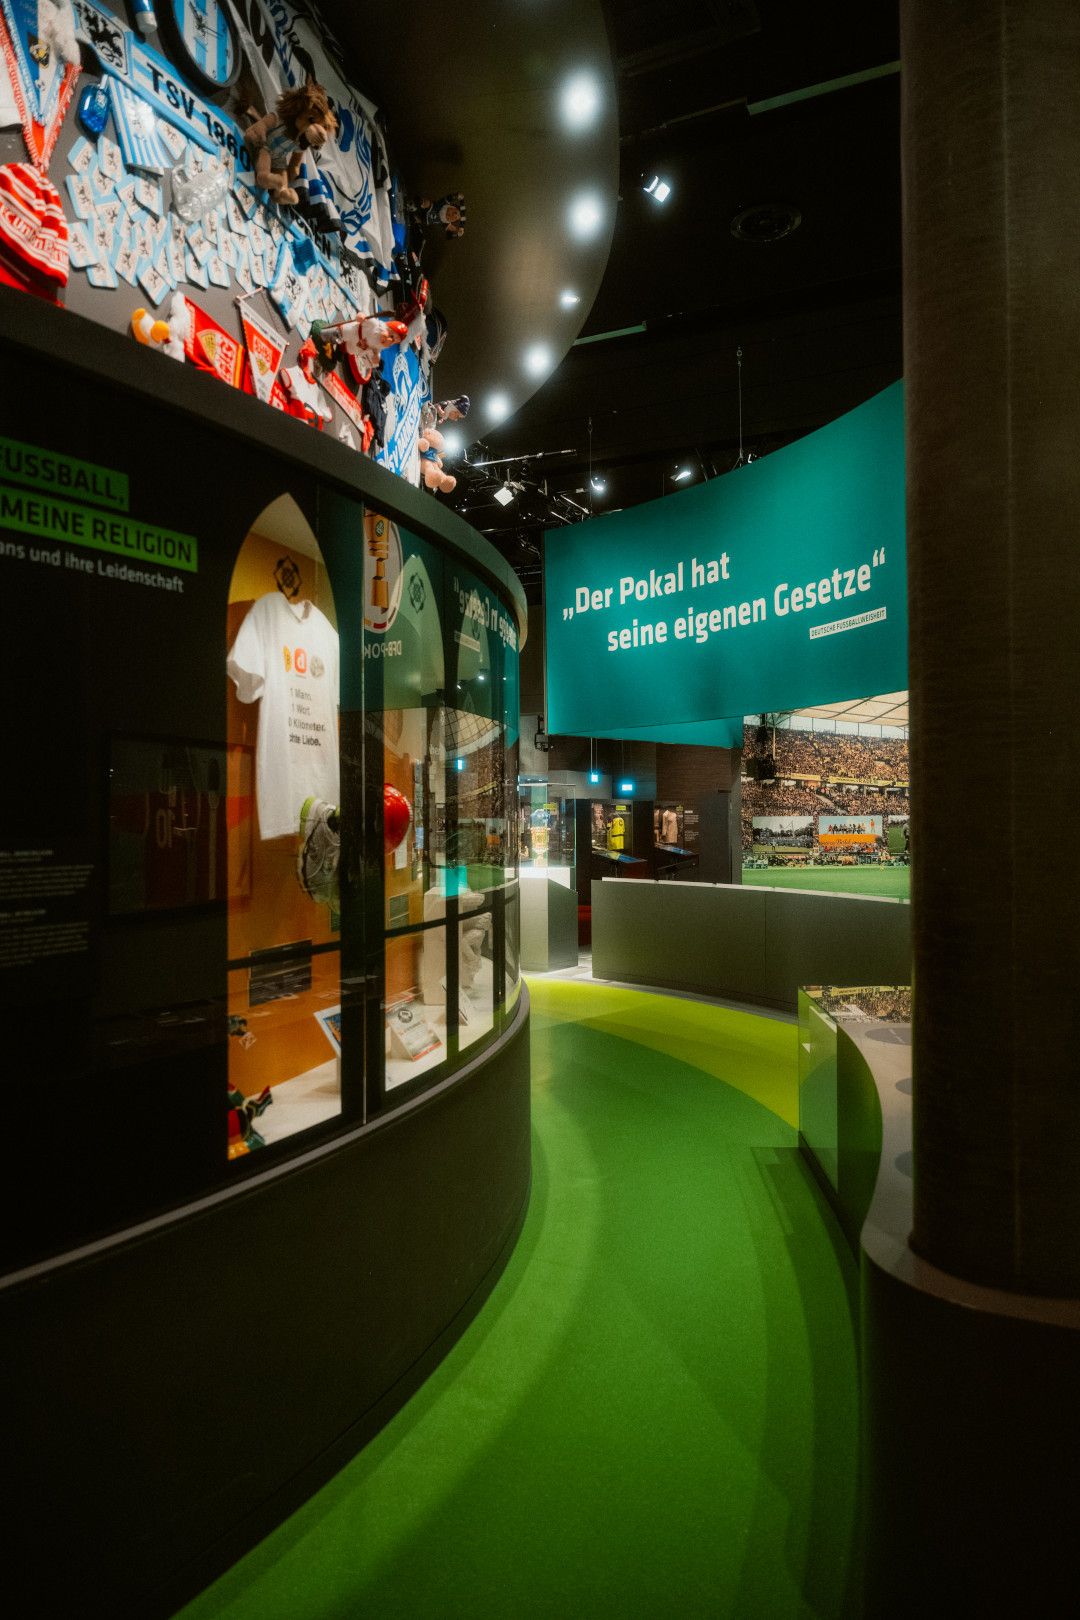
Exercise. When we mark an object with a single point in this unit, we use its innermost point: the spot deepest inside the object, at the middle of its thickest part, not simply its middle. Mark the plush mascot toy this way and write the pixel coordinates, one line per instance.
(452, 410)
(361, 343)
(431, 445)
(302, 391)
(412, 312)
(280, 141)
(169, 336)
(448, 211)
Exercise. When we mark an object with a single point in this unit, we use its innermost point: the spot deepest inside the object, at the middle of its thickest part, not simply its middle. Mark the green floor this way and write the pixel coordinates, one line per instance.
(892, 881)
(655, 1412)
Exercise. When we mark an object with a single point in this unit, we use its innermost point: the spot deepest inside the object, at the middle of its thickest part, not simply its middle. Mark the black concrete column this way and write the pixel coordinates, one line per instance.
(991, 154)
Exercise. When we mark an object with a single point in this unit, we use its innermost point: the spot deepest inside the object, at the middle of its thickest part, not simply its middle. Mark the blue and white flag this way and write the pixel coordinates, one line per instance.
(136, 129)
(410, 392)
(284, 46)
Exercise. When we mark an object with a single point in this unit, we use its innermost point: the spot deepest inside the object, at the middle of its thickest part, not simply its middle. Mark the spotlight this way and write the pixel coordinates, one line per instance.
(599, 485)
(585, 216)
(504, 495)
(537, 360)
(497, 407)
(579, 101)
(659, 190)
(453, 444)
(568, 298)
(682, 475)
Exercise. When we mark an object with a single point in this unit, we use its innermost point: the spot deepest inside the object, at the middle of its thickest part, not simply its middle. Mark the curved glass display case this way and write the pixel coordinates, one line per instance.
(270, 853)
(266, 1041)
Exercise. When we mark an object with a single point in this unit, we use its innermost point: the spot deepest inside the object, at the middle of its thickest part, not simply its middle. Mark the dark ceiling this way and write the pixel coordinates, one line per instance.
(816, 313)
(734, 103)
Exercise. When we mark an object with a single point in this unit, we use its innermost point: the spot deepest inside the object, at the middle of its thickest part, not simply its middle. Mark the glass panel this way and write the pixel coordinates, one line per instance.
(545, 834)
(512, 916)
(440, 663)
(512, 845)
(404, 680)
(477, 845)
(414, 811)
(483, 641)
(612, 825)
(476, 969)
(282, 835)
(414, 1006)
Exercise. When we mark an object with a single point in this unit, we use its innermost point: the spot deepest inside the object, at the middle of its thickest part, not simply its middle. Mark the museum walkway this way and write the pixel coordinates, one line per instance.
(655, 1413)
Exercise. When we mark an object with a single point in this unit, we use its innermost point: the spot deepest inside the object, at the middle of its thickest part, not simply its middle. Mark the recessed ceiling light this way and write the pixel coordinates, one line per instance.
(537, 359)
(568, 298)
(580, 101)
(586, 215)
(659, 190)
(766, 222)
(497, 407)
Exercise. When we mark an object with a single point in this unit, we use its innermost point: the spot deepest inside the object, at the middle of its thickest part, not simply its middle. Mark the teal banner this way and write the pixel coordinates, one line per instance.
(779, 586)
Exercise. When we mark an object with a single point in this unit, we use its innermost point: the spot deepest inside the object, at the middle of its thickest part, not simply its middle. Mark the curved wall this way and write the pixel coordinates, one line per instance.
(755, 944)
(195, 1341)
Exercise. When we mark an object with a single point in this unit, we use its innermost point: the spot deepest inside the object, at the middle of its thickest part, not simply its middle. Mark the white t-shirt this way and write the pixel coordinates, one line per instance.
(286, 655)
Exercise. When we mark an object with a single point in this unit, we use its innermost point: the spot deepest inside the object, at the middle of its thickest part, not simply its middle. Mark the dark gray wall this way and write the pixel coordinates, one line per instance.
(752, 944)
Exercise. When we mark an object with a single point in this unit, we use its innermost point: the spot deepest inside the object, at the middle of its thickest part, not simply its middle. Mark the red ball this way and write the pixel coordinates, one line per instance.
(397, 813)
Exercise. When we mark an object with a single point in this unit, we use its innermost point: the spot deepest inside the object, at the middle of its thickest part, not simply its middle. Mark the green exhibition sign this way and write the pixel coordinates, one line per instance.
(30, 465)
(779, 586)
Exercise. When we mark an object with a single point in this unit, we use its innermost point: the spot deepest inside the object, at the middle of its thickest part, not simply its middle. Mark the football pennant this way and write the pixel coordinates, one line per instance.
(266, 351)
(343, 397)
(211, 348)
(42, 79)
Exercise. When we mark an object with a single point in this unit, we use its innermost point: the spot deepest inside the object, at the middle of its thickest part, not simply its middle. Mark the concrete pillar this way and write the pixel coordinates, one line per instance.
(991, 169)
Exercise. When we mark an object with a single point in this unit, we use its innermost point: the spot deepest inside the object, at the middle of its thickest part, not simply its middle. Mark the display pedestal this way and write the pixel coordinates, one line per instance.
(549, 923)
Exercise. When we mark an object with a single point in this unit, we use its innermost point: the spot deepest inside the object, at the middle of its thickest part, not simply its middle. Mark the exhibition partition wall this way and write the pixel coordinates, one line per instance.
(263, 1020)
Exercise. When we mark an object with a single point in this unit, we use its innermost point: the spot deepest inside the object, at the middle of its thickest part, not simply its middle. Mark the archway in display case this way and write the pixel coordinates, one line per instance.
(283, 792)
